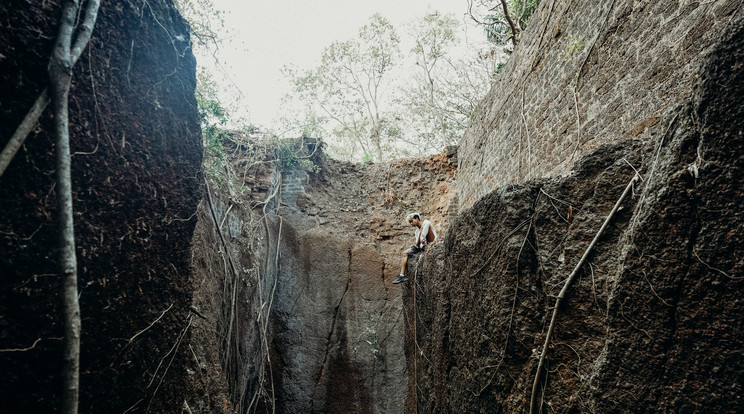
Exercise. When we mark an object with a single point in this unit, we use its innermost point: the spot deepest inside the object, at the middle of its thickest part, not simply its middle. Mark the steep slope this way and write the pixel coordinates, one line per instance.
(137, 155)
(654, 321)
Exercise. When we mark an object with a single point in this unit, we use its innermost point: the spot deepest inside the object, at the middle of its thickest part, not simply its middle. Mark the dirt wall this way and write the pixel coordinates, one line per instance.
(320, 305)
(136, 158)
(654, 321)
(587, 73)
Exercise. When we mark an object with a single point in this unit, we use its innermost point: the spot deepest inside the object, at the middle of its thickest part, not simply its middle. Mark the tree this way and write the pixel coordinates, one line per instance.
(444, 89)
(206, 22)
(301, 119)
(503, 20)
(431, 118)
(64, 55)
(213, 118)
(373, 108)
(350, 86)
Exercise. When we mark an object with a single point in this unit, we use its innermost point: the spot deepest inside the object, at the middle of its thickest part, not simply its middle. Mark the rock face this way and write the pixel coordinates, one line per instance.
(137, 154)
(271, 290)
(338, 321)
(587, 73)
(326, 248)
(654, 321)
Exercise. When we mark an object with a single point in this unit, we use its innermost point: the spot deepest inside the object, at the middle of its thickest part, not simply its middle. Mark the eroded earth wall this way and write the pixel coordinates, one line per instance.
(338, 322)
(587, 73)
(653, 323)
(321, 324)
(136, 158)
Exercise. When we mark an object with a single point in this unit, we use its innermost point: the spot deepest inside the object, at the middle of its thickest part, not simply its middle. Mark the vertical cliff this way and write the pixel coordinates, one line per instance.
(266, 284)
(587, 74)
(653, 323)
(316, 247)
(135, 169)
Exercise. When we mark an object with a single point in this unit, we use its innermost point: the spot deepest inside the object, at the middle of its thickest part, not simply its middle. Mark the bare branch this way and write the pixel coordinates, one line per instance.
(567, 284)
(86, 30)
(515, 33)
(149, 326)
(29, 121)
(22, 349)
(36, 342)
(20, 134)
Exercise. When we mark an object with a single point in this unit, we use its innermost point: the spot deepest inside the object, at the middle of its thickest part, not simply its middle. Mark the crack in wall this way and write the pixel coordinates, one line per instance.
(384, 285)
(330, 335)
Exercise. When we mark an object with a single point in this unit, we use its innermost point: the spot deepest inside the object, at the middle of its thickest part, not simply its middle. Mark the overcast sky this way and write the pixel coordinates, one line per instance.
(270, 34)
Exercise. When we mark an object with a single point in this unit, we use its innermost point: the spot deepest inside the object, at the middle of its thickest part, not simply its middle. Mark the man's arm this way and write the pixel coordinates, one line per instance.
(425, 233)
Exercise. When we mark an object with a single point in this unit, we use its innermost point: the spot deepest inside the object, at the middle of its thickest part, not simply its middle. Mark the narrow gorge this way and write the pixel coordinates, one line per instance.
(265, 285)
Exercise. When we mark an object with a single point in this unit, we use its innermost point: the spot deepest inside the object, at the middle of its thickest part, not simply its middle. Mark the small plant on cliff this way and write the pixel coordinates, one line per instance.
(289, 155)
(575, 43)
(213, 118)
(370, 337)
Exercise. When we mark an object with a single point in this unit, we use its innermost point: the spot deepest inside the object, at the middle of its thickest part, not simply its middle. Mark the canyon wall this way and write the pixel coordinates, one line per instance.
(270, 287)
(137, 153)
(587, 73)
(316, 248)
(653, 323)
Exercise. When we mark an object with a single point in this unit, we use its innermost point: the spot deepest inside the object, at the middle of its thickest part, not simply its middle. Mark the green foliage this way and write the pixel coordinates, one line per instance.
(289, 155)
(426, 101)
(574, 44)
(438, 103)
(370, 107)
(206, 21)
(368, 340)
(286, 153)
(433, 36)
(496, 24)
(213, 118)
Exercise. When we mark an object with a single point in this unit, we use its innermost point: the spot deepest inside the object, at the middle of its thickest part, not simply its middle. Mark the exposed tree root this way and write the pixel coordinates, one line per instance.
(562, 294)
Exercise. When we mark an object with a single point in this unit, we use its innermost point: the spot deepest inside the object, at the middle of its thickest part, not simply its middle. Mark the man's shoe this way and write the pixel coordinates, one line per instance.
(401, 278)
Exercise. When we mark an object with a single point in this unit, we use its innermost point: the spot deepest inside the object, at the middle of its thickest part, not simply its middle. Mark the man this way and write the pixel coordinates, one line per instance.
(425, 234)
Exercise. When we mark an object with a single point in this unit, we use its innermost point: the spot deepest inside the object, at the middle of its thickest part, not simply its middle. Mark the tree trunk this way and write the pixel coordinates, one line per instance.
(60, 69)
(376, 140)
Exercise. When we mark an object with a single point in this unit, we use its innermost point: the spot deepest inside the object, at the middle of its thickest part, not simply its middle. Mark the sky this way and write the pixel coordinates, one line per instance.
(264, 36)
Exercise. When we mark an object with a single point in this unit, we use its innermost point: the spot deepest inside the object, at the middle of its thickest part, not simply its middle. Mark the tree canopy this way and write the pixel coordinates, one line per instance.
(372, 101)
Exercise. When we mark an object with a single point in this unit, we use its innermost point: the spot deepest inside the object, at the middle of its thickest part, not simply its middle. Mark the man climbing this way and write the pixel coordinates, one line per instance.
(425, 234)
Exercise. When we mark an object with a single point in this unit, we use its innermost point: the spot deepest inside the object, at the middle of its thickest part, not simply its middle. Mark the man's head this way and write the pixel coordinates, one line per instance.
(414, 219)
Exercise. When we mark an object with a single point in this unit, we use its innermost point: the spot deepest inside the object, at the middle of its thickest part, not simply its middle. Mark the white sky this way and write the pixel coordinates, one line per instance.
(269, 34)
